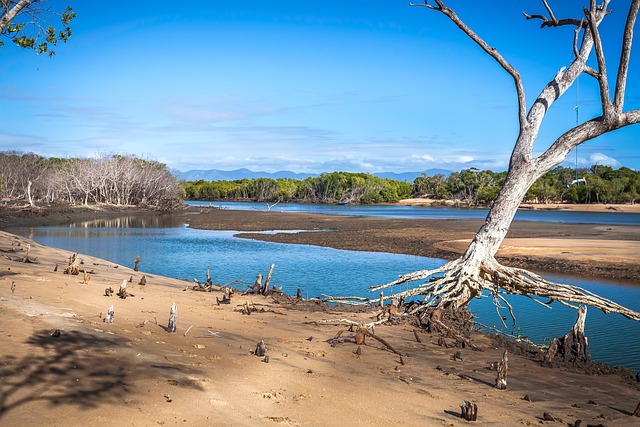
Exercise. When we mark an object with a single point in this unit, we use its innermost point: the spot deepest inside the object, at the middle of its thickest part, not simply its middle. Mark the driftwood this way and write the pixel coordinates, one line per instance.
(187, 331)
(503, 371)
(143, 280)
(137, 261)
(173, 318)
(383, 342)
(468, 411)
(363, 331)
(109, 317)
(573, 347)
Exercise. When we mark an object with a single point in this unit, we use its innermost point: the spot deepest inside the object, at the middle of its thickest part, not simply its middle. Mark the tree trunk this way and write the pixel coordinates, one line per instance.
(29, 197)
(573, 347)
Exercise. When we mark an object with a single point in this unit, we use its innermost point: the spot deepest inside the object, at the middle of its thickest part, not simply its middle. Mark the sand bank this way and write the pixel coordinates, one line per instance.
(134, 372)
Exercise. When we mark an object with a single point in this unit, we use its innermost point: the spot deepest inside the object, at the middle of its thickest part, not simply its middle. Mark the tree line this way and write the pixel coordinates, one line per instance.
(105, 179)
(471, 187)
(334, 187)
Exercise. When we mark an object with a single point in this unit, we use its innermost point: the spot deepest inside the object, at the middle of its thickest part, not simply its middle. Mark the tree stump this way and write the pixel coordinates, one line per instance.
(573, 347)
(226, 297)
(468, 411)
(393, 308)
(257, 286)
(25, 258)
(122, 292)
(173, 318)
(361, 334)
(261, 349)
(137, 261)
(109, 317)
(503, 371)
(265, 289)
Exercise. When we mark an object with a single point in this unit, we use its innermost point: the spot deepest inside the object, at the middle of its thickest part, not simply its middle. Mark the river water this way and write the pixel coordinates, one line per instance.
(429, 212)
(169, 248)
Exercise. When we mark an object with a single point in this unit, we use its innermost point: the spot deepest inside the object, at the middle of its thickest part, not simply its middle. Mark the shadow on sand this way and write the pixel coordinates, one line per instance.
(64, 370)
(73, 368)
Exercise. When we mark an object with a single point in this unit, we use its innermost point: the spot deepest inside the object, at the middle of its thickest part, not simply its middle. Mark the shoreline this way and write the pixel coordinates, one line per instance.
(540, 246)
(134, 371)
(575, 207)
(584, 250)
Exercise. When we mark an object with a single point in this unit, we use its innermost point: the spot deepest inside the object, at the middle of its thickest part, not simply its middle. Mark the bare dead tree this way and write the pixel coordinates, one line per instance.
(457, 282)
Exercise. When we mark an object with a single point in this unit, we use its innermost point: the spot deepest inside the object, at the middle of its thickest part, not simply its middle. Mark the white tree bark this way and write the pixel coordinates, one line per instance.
(458, 281)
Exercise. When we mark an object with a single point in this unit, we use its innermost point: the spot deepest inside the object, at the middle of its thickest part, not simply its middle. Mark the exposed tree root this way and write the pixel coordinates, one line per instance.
(457, 282)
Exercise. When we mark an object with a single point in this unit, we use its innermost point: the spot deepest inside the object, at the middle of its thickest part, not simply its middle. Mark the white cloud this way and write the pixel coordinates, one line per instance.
(603, 159)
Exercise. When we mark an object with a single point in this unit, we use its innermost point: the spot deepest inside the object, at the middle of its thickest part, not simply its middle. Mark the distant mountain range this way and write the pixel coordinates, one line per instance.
(220, 175)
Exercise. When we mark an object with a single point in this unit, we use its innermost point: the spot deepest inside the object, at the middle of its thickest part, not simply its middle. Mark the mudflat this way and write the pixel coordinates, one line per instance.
(589, 250)
(62, 365)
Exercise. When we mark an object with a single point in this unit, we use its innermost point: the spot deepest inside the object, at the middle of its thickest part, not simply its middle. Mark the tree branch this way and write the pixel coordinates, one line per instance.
(491, 51)
(623, 67)
(593, 21)
(13, 12)
(582, 133)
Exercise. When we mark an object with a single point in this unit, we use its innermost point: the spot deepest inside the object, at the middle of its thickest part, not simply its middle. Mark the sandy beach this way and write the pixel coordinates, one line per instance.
(134, 372)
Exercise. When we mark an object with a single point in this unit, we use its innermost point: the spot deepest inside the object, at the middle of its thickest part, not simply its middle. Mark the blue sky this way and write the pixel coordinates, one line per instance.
(371, 86)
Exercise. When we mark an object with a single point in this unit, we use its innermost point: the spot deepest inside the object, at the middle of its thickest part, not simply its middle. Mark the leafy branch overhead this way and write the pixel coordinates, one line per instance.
(28, 25)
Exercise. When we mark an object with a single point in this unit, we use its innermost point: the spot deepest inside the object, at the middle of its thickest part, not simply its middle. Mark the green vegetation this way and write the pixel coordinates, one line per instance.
(335, 187)
(27, 25)
(472, 187)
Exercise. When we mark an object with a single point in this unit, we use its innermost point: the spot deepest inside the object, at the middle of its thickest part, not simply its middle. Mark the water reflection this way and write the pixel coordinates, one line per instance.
(131, 221)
